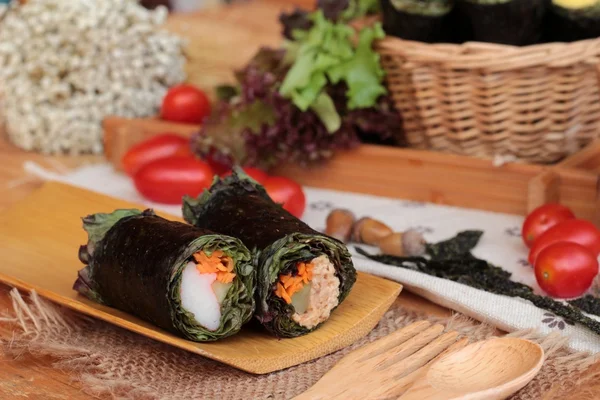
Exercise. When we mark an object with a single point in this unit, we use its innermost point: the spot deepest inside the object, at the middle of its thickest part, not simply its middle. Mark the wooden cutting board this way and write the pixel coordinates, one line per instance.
(39, 240)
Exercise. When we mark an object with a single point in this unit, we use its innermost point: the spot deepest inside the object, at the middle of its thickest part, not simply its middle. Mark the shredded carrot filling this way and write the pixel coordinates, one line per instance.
(287, 284)
(218, 263)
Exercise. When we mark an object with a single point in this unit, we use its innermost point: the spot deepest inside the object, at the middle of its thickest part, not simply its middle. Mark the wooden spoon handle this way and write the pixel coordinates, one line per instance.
(336, 381)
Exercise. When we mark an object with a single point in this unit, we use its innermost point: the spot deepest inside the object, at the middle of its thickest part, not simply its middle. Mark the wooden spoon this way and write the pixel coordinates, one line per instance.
(421, 362)
(492, 369)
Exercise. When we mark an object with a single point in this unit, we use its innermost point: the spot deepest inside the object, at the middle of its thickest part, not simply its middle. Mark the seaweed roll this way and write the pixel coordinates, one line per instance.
(420, 20)
(186, 280)
(513, 22)
(571, 20)
(302, 275)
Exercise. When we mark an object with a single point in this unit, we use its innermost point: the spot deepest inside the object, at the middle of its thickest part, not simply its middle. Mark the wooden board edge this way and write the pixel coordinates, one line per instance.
(543, 189)
(412, 174)
(120, 134)
(86, 307)
(587, 159)
(347, 338)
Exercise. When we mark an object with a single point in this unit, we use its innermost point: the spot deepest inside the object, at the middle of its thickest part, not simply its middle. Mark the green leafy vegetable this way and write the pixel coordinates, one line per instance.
(362, 73)
(325, 53)
(324, 107)
(452, 260)
(257, 126)
(227, 126)
(325, 45)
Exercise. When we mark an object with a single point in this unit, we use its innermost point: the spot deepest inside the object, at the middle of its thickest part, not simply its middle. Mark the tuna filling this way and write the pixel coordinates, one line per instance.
(313, 291)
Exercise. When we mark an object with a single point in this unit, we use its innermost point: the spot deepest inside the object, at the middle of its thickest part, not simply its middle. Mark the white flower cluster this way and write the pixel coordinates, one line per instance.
(67, 64)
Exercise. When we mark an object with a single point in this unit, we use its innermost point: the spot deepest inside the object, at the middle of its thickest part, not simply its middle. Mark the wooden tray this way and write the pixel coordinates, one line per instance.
(39, 239)
(418, 175)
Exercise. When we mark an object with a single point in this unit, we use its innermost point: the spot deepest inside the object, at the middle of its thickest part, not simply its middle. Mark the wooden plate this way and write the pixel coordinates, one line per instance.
(39, 239)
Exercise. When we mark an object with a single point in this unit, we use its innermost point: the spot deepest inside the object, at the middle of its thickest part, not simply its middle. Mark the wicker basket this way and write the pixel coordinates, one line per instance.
(535, 104)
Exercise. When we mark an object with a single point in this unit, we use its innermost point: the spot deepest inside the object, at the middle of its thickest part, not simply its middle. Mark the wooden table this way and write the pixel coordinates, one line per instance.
(25, 379)
(37, 380)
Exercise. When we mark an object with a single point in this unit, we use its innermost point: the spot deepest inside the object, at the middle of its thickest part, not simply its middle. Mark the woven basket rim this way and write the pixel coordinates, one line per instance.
(491, 56)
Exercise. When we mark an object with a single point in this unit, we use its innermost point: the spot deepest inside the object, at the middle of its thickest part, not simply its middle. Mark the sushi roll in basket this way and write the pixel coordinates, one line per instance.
(189, 281)
(512, 22)
(572, 20)
(419, 20)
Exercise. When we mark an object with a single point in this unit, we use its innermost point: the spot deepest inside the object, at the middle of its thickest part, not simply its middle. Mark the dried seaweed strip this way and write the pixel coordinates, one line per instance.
(452, 260)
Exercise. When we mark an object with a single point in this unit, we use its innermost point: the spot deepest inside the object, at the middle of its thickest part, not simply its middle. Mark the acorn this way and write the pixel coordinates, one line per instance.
(404, 244)
(370, 231)
(339, 224)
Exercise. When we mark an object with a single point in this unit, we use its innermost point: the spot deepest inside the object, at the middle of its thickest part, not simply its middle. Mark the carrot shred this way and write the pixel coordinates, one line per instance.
(218, 263)
(289, 284)
(226, 277)
(280, 292)
(301, 269)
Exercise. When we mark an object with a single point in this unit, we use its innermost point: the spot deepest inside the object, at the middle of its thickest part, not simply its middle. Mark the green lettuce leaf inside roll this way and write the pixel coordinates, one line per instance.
(302, 275)
(187, 280)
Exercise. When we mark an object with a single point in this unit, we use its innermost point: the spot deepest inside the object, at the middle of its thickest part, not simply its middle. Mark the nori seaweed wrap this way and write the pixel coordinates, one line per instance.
(572, 20)
(419, 20)
(186, 280)
(513, 22)
(302, 275)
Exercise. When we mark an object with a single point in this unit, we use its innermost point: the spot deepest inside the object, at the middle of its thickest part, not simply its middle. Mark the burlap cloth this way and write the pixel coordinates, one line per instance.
(114, 363)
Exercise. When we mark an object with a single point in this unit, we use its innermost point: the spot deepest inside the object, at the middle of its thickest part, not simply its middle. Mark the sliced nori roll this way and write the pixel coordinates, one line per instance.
(147, 266)
(513, 22)
(572, 20)
(302, 275)
(420, 20)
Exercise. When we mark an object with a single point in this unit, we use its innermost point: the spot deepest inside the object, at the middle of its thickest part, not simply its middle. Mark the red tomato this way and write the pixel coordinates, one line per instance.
(571, 230)
(160, 146)
(287, 192)
(167, 180)
(566, 270)
(258, 175)
(543, 218)
(185, 103)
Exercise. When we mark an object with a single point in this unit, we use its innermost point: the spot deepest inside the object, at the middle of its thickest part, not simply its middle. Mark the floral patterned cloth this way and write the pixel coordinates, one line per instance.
(501, 244)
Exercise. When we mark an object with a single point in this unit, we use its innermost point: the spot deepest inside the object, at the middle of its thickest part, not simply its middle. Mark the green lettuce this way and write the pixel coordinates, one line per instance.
(326, 53)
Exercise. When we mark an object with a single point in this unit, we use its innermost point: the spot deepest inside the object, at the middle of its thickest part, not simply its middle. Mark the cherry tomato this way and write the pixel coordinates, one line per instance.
(186, 104)
(566, 270)
(258, 175)
(160, 146)
(571, 230)
(167, 180)
(543, 218)
(287, 192)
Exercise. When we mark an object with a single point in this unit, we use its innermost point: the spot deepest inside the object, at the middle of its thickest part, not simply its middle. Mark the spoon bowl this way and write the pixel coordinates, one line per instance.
(492, 369)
